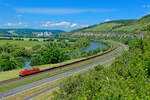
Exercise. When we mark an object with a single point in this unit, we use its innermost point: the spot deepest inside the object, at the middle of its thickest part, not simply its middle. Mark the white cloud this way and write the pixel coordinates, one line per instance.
(61, 10)
(107, 20)
(62, 24)
(49, 24)
(74, 25)
(19, 24)
(146, 6)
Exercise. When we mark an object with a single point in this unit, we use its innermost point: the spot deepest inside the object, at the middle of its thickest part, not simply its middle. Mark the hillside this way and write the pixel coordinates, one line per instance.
(27, 31)
(120, 26)
(127, 78)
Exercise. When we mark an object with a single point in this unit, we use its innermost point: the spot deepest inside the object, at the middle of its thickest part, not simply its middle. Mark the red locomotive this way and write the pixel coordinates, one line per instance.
(28, 72)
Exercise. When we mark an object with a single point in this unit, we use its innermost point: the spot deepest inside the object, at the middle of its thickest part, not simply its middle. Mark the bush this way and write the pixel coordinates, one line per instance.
(98, 68)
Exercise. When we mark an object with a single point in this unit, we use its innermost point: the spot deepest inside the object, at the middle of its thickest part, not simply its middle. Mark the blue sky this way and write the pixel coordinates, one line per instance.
(68, 14)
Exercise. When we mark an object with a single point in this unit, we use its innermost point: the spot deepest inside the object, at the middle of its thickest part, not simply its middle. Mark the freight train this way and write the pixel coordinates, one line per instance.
(28, 72)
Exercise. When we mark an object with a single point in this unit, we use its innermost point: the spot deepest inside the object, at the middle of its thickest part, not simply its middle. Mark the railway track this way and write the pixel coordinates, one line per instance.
(57, 67)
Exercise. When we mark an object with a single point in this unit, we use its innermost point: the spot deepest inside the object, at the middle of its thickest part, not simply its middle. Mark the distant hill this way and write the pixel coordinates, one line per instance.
(27, 31)
(120, 26)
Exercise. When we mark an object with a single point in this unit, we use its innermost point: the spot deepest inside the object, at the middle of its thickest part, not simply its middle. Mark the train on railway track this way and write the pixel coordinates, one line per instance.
(30, 72)
(27, 72)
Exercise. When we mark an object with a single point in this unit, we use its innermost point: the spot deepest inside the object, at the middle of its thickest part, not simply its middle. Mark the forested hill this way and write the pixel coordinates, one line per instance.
(27, 31)
(120, 26)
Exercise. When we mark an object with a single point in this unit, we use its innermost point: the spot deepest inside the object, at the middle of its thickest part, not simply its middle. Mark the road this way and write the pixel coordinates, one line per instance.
(56, 77)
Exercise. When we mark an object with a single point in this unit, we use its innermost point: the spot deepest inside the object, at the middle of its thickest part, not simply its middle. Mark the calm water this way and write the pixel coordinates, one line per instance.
(27, 63)
(93, 45)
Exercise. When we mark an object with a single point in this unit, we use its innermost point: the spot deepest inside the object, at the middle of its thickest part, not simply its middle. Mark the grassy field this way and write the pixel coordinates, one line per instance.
(21, 43)
(103, 27)
(42, 76)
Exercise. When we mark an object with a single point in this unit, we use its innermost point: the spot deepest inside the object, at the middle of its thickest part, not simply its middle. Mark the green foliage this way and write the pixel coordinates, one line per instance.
(84, 54)
(91, 52)
(82, 43)
(106, 26)
(50, 55)
(10, 57)
(98, 68)
(146, 28)
(44, 52)
(18, 53)
(55, 52)
(126, 79)
(7, 62)
(13, 53)
(36, 47)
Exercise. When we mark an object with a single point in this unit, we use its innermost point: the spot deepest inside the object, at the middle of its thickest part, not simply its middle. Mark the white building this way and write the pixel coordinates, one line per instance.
(45, 34)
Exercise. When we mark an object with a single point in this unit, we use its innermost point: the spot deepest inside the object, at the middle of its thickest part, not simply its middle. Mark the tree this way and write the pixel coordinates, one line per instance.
(7, 62)
(50, 55)
(18, 53)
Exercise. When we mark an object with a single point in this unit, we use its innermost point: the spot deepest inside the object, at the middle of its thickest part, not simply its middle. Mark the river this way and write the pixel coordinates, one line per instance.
(93, 45)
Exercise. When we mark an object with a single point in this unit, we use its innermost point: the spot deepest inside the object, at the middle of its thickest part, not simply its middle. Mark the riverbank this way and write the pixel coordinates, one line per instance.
(69, 68)
(93, 45)
(15, 73)
(99, 59)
